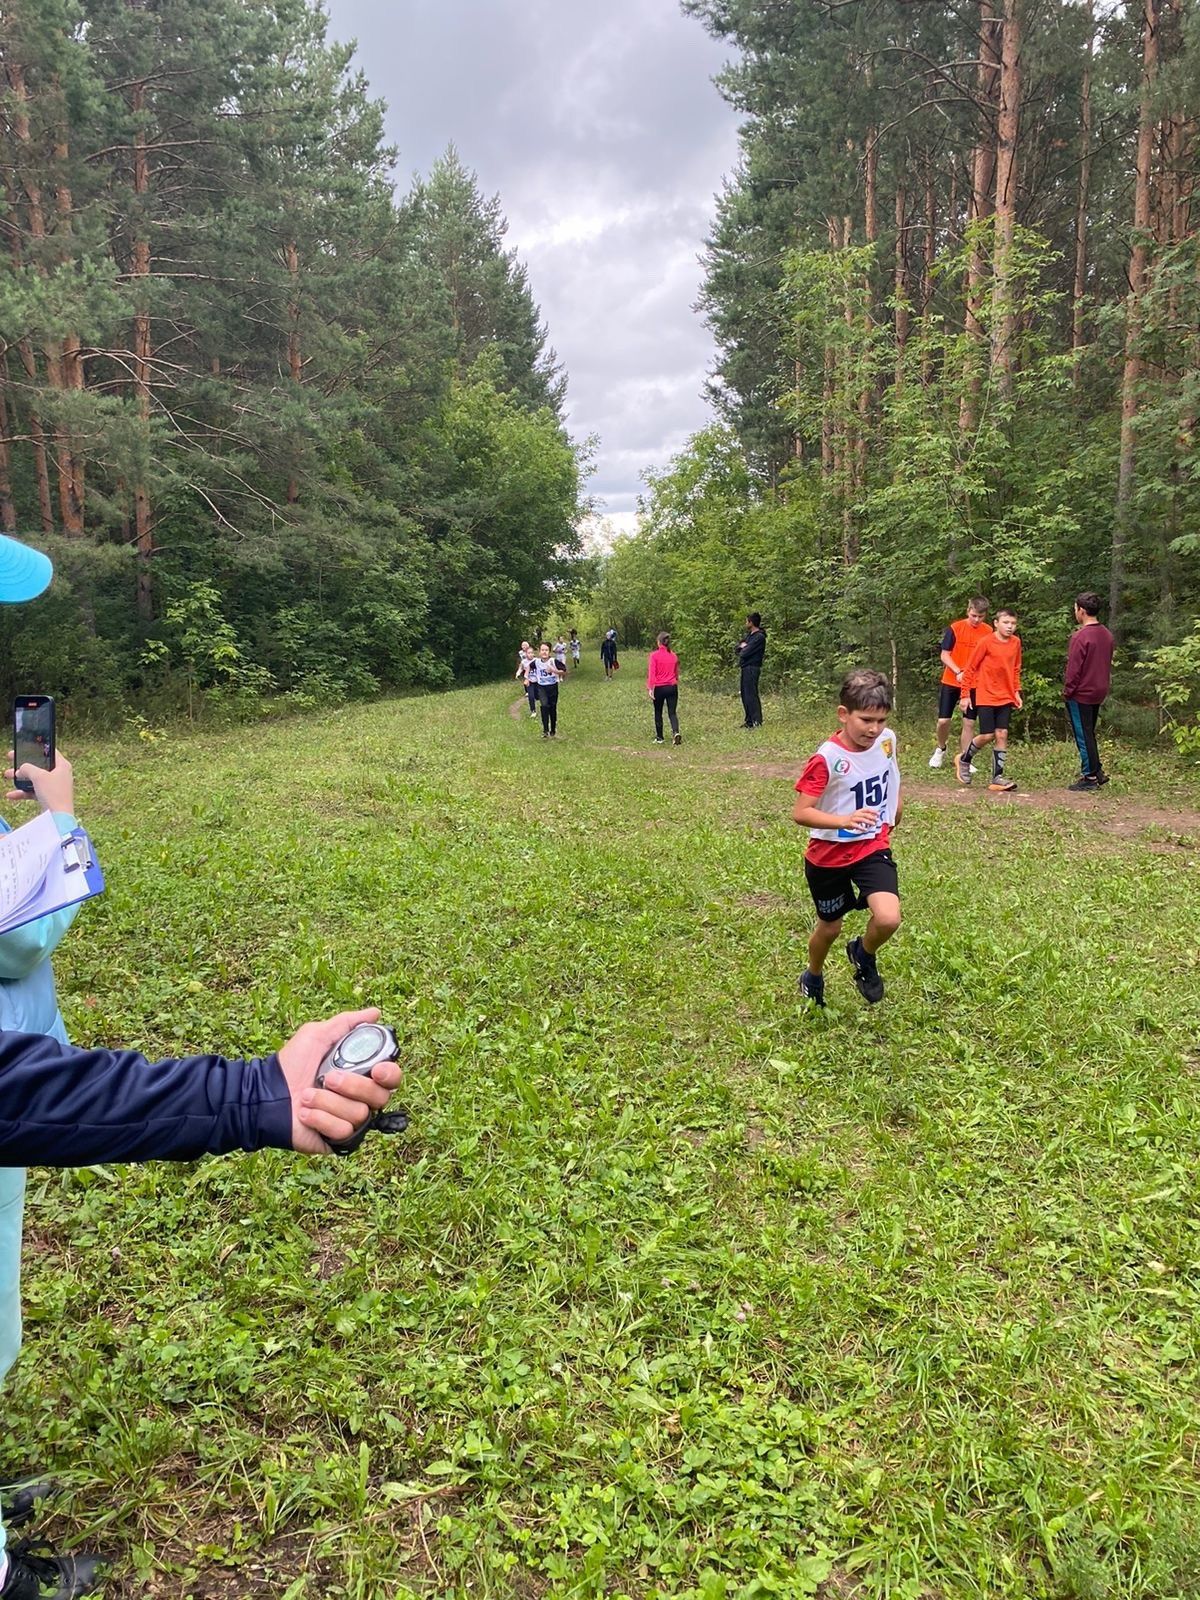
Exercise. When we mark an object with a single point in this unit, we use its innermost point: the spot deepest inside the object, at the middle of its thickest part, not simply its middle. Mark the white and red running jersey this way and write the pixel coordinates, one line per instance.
(841, 780)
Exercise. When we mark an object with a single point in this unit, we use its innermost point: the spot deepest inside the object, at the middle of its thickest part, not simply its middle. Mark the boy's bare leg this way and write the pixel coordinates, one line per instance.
(820, 942)
(943, 732)
(885, 919)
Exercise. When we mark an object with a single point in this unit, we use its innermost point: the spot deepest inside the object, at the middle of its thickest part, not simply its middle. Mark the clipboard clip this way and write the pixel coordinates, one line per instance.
(76, 854)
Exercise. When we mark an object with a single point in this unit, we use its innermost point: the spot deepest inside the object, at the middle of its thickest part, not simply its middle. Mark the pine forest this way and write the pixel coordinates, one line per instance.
(281, 427)
(955, 288)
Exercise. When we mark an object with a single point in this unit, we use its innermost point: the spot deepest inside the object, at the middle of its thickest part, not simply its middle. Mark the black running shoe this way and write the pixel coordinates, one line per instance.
(866, 974)
(45, 1576)
(1083, 785)
(676, 738)
(812, 987)
(20, 1502)
(1101, 779)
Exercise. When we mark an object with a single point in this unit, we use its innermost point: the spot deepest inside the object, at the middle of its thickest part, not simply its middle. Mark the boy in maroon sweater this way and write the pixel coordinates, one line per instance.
(1086, 684)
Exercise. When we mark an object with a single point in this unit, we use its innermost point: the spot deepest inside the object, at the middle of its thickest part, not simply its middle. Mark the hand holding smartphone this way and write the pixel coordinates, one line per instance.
(33, 736)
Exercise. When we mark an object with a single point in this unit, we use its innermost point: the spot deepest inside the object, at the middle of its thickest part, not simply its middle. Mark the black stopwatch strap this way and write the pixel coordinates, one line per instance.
(381, 1122)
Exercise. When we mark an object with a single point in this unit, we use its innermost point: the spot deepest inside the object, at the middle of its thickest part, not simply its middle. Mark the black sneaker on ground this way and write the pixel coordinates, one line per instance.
(19, 1502)
(660, 741)
(812, 987)
(1101, 779)
(866, 974)
(676, 738)
(1081, 785)
(41, 1575)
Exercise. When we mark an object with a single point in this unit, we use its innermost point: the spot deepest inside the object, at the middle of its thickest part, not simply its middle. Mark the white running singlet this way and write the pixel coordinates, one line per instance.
(860, 778)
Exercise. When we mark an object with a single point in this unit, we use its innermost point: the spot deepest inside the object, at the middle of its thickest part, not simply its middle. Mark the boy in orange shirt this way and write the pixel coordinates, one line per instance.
(993, 680)
(958, 645)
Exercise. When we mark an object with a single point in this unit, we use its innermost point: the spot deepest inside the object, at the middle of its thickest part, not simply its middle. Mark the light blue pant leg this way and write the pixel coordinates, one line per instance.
(12, 1205)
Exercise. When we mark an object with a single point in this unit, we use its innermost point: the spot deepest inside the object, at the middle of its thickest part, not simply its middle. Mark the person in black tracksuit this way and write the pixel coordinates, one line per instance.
(750, 652)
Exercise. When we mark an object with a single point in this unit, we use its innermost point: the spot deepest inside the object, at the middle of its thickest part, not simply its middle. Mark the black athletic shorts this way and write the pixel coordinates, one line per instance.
(949, 695)
(836, 890)
(993, 717)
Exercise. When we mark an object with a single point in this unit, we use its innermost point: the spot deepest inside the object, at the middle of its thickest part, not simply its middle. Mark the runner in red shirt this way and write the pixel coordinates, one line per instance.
(849, 796)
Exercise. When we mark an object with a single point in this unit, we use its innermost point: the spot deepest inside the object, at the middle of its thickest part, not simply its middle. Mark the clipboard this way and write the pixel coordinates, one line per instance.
(69, 875)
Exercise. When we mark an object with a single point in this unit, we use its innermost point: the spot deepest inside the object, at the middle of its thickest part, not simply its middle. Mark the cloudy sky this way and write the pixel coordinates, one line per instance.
(597, 124)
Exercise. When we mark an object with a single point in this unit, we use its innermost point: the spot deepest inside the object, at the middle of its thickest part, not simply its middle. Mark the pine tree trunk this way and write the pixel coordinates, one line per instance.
(37, 437)
(1138, 264)
(1078, 334)
(866, 392)
(1004, 317)
(901, 282)
(979, 206)
(142, 529)
(8, 510)
(72, 362)
(52, 348)
(295, 365)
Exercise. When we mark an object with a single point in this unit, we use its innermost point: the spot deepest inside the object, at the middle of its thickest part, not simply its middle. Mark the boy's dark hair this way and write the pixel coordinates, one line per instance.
(980, 603)
(865, 690)
(1089, 602)
(754, 618)
(1006, 611)
(664, 639)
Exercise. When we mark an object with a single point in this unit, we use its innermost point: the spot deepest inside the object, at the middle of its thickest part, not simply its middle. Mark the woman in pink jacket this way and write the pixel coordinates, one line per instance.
(662, 685)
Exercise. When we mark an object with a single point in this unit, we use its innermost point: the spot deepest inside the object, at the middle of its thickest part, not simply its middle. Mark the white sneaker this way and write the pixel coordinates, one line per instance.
(938, 756)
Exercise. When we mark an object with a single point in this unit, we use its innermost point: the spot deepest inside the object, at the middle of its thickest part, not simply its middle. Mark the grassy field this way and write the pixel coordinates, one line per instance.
(674, 1287)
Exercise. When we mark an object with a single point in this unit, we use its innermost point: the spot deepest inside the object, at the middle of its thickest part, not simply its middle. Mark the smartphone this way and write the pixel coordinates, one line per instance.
(33, 735)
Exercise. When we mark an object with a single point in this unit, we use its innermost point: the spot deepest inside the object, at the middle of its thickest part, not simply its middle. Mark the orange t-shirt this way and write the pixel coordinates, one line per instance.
(959, 641)
(994, 671)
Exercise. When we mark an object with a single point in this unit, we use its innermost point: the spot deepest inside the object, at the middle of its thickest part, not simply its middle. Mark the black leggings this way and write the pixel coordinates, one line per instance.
(665, 694)
(548, 695)
(531, 696)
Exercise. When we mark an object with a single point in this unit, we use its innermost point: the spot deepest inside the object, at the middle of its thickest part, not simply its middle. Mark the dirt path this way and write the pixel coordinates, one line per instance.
(1129, 819)
(1120, 816)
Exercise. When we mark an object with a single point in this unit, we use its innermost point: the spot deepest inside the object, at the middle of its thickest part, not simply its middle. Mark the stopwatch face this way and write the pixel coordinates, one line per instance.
(361, 1044)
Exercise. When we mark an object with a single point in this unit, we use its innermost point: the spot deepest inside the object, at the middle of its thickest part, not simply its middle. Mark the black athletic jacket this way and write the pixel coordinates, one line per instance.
(63, 1107)
(752, 651)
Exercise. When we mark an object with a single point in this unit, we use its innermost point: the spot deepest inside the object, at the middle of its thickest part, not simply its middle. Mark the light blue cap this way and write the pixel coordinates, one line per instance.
(24, 572)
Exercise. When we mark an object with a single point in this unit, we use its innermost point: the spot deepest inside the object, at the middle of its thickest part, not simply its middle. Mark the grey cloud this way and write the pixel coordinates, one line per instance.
(601, 132)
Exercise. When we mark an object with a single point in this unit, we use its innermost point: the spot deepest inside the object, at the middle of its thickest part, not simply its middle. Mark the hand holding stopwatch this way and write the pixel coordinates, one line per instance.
(358, 1051)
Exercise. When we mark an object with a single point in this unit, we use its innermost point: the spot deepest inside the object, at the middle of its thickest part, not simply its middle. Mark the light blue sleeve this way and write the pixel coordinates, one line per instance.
(24, 949)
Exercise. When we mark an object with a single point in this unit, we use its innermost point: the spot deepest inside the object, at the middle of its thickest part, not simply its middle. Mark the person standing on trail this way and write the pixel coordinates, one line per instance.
(547, 674)
(958, 646)
(662, 685)
(1086, 684)
(608, 652)
(750, 651)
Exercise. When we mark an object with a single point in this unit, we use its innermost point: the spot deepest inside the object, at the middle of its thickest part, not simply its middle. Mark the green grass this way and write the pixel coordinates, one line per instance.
(673, 1288)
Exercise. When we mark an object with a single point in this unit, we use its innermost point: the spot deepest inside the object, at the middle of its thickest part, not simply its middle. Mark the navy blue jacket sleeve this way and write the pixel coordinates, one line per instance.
(62, 1107)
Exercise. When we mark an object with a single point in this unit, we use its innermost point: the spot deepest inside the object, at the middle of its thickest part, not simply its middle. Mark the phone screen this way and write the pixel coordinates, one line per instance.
(33, 733)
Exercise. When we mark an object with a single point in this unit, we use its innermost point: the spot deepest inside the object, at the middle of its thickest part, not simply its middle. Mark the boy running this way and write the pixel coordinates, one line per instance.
(993, 680)
(958, 645)
(850, 800)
